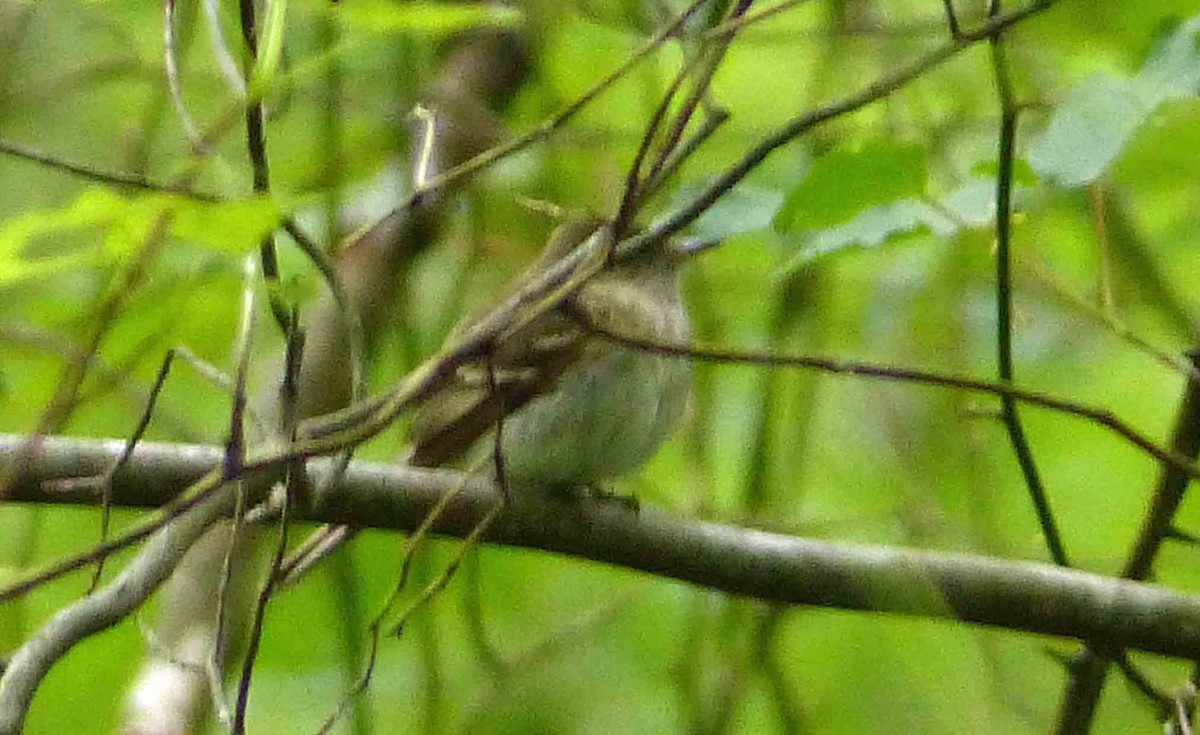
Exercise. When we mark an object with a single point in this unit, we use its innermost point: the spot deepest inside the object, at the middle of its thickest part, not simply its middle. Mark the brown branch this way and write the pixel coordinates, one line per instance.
(1014, 595)
(1002, 389)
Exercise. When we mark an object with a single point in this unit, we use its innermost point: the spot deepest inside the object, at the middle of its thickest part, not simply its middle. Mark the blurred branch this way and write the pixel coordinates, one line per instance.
(1141, 267)
(171, 67)
(132, 181)
(108, 376)
(1102, 316)
(292, 496)
(1088, 670)
(105, 607)
(103, 313)
(702, 66)
(1014, 595)
(102, 608)
(417, 385)
(420, 534)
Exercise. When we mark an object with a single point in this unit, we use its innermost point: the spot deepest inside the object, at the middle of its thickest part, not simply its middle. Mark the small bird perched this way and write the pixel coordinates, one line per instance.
(577, 409)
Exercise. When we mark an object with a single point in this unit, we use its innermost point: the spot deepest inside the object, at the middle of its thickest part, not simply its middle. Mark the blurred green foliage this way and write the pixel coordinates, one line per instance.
(882, 251)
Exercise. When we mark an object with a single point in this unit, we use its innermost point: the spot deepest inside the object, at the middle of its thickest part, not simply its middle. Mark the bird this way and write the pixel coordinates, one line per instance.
(573, 409)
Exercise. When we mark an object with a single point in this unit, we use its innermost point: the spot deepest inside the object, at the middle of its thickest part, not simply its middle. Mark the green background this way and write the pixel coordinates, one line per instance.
(871, 238)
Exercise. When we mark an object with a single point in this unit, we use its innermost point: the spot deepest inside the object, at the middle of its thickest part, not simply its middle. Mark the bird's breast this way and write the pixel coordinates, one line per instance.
(610, 411)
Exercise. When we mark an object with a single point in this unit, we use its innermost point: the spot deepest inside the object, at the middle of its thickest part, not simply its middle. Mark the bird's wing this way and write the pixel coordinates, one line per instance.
(523, 367)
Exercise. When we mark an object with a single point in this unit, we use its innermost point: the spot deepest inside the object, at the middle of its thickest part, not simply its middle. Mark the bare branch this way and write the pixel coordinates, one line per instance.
(1013, 595)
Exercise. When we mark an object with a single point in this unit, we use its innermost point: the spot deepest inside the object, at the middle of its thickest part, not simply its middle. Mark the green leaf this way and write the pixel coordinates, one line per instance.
(1173, 67)
(873, 227)
(744, 209)
(970, 206)
(1090, 128)
(33, 269)
(125, 224)
(236, 226)
(1022, 174)
(92, 207)
(844, 183)
(426, 18)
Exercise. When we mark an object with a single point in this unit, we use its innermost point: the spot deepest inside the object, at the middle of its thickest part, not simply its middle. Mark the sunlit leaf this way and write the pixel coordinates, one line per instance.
(844, 183)
(1022, 173)
(235, 226)
(33, 269)
(428, 18)
(121, 225)
(92, 207)
(1090, 128)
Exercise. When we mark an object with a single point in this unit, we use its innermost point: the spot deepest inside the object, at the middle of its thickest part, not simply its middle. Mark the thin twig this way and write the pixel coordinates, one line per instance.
(314, 548)
(355, 336)
(220, 49)
(236, 447)
(634, 191)
(633, 178)
(424, 163)
(490, 157)
(469, 544)
(1101, 417)
(737, 23)
(713, 119)
(107, 479)
(879, 89)
(1057, 287)
(66, 391)
(354, 331)
(952, 18)
(499, 464)
(1004, 298)
(131, 181)
(375, 630)
(1089, 668)
(1098, 198)
(1142, 684)
(293, 482)
(171, 65)
(712, 58)
(200, 491)
(477, 634)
